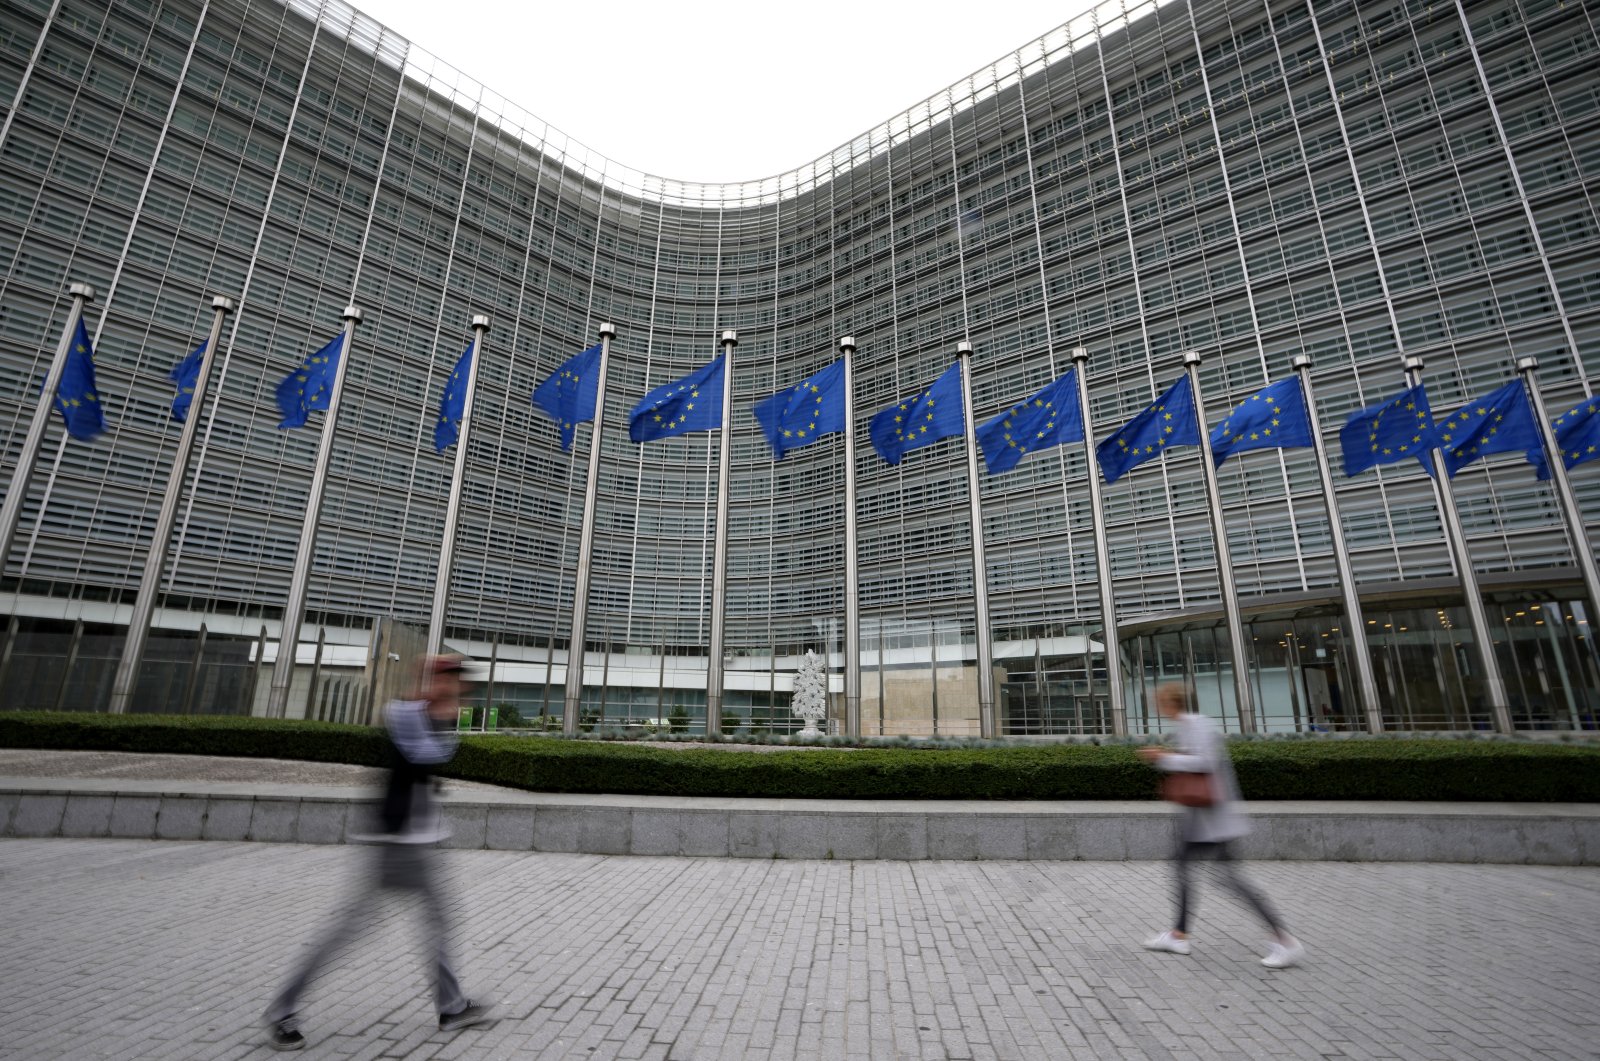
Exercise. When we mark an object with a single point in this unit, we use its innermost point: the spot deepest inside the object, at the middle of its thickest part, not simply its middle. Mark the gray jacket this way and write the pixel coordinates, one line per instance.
(1201, 750)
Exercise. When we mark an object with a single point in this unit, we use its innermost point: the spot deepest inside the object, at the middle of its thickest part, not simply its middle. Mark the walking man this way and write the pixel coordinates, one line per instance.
(422, 734)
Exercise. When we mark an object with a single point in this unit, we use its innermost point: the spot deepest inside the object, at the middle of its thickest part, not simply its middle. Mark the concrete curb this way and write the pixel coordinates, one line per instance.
(1537, 834)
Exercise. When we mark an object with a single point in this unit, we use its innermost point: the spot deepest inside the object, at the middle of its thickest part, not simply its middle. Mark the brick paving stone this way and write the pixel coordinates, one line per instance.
(169, 949)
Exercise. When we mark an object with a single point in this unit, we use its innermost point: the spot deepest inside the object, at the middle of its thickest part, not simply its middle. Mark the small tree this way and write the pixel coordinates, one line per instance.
(810, 701)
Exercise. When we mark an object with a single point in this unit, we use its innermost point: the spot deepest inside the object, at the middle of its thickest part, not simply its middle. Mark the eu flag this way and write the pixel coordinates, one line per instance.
(1501, 422)
(309, 387)
(453, 404)
(185, 375)
(1049, 418)
(1577, 434)
(568, 395)
(76, 396)
(800, 415)
(693, 403)
(1392, 430)
(912, 423)
(1275, 415)
(1166, 422)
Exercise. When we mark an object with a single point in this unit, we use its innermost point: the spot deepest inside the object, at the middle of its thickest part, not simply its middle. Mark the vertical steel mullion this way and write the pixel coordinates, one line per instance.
(149, 177)
(1244, 267)
(1522, 193)
(204, 440)
(1138, 287)
(544, 307)
(27, 71)
(71, 666)
(193, 680)
(453, 503)
(894, 353)
(649, 345)
(511, 369)
(982, 627)
(1108, 619)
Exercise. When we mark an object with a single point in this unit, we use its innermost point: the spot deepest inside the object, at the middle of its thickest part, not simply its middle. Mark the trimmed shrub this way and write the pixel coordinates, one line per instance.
(251, 738)
(1386, 768)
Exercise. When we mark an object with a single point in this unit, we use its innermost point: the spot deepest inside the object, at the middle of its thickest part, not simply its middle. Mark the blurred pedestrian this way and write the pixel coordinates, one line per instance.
(1199, 776)
(422, 737)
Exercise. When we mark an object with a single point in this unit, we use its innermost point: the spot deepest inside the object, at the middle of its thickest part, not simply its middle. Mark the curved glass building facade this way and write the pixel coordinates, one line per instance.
(1251, 180)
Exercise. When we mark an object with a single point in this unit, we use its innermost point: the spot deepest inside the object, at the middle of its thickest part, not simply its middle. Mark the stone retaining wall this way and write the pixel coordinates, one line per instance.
(1544, 834)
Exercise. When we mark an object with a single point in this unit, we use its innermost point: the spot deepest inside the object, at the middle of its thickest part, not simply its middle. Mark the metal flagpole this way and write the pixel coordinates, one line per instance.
(580, 588)
(1582, 551)
(980, 569)
(452, 512)
(155, 563)
(719, 554)
(1102, 555)
(852, 575)
(1219, 536)
(11, 509)
(294, 610)
(1353, 616)
(1493, 683)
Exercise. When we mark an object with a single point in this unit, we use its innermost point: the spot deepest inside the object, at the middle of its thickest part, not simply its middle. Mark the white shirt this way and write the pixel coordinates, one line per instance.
(1201, 750)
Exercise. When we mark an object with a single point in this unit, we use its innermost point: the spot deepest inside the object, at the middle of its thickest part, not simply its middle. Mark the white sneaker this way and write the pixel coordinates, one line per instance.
(1281, 955)
(1167, 942)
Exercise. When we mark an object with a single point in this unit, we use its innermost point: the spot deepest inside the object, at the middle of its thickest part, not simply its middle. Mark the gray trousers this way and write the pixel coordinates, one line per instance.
(401, 867)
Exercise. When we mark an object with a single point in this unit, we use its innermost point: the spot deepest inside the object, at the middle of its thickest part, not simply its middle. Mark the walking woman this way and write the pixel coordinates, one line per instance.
(1211, 820)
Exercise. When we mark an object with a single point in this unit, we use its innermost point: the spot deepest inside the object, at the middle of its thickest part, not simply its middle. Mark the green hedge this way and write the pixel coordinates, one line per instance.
(255, 738)
(1382, 768)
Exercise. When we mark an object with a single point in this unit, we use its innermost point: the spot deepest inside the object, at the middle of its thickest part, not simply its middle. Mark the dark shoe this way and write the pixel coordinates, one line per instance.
(468, 1015)
(283, 1035)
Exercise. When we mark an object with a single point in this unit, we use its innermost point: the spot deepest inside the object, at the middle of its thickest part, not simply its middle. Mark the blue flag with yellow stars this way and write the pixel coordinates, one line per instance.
(568, 395)
(184, 375)
(1390, 431)
(1049, 418)
(76, 397)
(453, 404)
(309, 387)
(1166, 422)
(693, 403)
(1274, 416)
(1501, 422)
(800, 415)
(1577, 434)
(912, 423)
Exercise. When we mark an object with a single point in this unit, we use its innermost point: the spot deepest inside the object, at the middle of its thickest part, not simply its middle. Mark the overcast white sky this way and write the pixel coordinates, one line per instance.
(718, 90)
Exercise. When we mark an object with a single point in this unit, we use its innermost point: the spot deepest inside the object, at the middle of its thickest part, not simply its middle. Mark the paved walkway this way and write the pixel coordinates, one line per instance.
(152, 949)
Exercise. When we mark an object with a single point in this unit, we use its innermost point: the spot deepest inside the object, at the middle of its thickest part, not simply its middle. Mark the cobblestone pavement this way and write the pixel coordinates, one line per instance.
(139, 949)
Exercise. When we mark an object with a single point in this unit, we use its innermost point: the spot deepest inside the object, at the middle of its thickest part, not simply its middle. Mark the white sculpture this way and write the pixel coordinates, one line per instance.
(810, 700)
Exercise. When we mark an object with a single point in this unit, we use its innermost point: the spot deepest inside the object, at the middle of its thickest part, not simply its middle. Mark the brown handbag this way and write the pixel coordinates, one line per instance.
(1188, 789)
